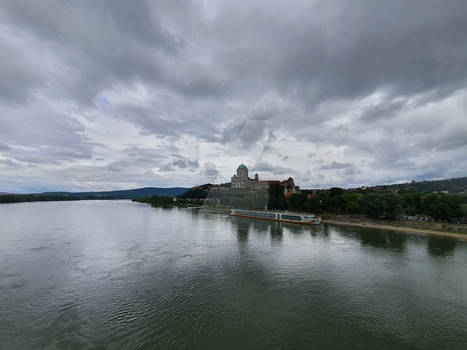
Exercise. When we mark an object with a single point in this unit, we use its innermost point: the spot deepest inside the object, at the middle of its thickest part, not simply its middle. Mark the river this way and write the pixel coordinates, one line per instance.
(123, 275)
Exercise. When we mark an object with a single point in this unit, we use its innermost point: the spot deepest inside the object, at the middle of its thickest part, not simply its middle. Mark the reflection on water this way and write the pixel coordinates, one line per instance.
(261, 227)
(276, 232)
(439, 247)
(378, 238)
(122, 275)
(243, 228)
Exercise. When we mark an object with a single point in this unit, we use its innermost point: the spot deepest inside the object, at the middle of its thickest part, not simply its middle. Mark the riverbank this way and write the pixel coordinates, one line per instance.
(440, 229)
(422, 228)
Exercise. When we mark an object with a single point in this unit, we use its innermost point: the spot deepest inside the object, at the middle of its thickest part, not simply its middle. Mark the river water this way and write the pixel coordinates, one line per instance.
(123, 275)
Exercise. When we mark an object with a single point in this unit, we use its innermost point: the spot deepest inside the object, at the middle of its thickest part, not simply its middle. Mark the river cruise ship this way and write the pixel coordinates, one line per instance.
(308, 219)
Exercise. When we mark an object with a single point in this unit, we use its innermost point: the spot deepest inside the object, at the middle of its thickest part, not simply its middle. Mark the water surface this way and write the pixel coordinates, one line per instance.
(123, 275)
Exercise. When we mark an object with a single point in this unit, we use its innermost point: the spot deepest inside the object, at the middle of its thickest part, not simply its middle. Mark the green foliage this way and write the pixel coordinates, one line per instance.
(276, 198)
(163, 201)
(376, 204)
(297, 202)
(16, 198)
(352, 207)
(411, 203)
(381, 205)
(457, 185)
(336, 191)
(68, 196)
(200, 192)
(441, 206)
(463, 209)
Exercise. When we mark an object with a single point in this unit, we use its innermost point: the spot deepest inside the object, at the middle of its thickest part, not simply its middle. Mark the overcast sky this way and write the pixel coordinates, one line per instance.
(101, 95)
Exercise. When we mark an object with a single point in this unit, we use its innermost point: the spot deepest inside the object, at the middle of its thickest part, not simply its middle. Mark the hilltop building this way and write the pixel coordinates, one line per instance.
(242, 181)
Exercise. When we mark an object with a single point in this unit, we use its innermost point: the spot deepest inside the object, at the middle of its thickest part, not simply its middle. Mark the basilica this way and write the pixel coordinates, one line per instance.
(242, 181)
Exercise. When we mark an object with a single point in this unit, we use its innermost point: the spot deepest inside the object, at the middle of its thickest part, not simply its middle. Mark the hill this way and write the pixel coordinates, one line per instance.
(455, 186)
(146, 192)
(202, 191)
(126, 194)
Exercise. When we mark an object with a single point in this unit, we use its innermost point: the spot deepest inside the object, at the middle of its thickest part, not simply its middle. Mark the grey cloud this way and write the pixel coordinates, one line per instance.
(143, 159)
(149, 121)
(186, 163)
(19, 80)
(385, 110)
(270, 168)
(10, 163)
(40, 134)
(146, 153)
(51, 154)
(210, 170)
(337, 49)
(336, 166)
(370, 46)
(4, 147)
(247, 132)
(166, 168)
(347, 75)
(118, 166)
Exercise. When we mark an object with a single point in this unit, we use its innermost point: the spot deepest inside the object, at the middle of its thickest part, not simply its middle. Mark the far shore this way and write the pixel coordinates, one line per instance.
(395, 226)
(430, 229)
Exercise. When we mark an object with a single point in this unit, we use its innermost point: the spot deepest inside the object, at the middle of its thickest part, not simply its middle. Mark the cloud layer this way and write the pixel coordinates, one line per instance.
(117, 94)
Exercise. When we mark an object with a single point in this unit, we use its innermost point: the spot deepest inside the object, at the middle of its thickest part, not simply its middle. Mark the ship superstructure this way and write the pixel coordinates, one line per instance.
(309, 219)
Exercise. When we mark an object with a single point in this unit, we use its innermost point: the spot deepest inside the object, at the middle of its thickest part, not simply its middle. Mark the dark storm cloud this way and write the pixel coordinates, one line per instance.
(18, 78)
(331, 49)
(382, 80)
(247, 132)
(345, 49)
(150, 121)
(102, 42)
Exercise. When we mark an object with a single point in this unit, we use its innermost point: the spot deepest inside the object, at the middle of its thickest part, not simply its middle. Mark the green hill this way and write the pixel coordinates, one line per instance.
(126, 194)
(121, 194)
(456, 185)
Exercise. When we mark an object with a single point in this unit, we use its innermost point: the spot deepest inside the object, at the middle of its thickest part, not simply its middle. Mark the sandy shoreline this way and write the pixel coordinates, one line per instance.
(396, 228)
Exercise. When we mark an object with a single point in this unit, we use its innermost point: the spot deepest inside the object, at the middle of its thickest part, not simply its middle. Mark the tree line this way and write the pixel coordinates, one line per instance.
(388, 205)
(375, 203)
(16, 198)
(164, 201)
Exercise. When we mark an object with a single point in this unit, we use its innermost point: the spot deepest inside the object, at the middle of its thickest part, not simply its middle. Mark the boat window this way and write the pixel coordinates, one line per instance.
(291, 217)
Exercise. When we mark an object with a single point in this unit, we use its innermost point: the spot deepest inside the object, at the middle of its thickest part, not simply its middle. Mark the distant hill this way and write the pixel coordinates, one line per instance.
(69, 196)
(456, 185)
(126, 194)
(202, 191)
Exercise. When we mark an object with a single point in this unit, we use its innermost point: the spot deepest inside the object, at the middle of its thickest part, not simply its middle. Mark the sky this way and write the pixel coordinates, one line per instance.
(116, 94)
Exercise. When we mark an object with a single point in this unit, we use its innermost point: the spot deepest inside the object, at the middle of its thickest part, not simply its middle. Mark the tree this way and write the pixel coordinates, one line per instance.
(352, 207)
(297, 201)
(276, 198)
(385, 205)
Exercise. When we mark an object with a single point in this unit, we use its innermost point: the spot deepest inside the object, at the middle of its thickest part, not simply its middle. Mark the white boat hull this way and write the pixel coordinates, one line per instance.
(274, 216)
